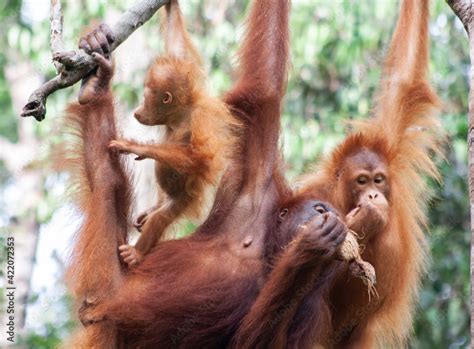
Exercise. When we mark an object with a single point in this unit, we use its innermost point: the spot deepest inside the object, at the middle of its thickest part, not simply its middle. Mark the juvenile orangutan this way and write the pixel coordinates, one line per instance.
(200, 131)
(376, 178)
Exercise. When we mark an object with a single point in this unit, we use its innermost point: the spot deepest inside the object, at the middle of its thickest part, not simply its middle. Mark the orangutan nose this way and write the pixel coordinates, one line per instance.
(138, 112)
(373, 195)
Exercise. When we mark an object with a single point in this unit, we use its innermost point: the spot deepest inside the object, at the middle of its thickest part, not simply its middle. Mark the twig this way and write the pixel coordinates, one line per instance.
(56, 18)
(77, 65)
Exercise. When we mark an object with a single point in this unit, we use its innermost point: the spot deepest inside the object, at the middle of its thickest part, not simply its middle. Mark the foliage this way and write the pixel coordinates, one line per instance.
(337, 50)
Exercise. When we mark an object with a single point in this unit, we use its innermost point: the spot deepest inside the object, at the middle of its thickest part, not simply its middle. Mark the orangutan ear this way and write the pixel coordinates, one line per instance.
(168, 98)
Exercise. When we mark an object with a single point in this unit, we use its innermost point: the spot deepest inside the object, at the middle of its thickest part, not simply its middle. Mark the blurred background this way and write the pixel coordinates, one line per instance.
(337, 50)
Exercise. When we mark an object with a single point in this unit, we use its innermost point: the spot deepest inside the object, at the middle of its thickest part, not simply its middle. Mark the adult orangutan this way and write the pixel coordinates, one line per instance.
(375, 177)
(262, 249)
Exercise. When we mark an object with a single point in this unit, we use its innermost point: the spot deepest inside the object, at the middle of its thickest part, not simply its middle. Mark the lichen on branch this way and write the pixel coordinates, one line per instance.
(72, 66)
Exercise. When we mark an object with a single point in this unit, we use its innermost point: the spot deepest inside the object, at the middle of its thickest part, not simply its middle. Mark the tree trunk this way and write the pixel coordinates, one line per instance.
(464, 10)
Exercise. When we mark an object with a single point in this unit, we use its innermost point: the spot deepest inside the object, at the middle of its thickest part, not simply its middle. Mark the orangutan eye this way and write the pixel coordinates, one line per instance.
(379, 178)
(362, 180)
(282, 214)
(320, 208)
(168, 98)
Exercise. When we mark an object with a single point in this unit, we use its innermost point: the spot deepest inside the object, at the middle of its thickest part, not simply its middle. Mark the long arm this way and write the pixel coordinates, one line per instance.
(95, 271)
(178, 156)
(248, 190)
(405, 94)
(407, 60)
(261, 81)
(177, 40)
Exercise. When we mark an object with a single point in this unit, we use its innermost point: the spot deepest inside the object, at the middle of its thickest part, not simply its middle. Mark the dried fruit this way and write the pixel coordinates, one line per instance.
(350, 252)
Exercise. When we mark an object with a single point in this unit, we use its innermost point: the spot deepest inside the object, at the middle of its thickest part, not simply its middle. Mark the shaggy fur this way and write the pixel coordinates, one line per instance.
(206, 291)
(200, 133)
(405, 134)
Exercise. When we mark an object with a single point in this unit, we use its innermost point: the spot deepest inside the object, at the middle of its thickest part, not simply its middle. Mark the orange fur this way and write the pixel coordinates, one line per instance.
(200, 133)
(103, 196)
(239, 268)
(405, 134)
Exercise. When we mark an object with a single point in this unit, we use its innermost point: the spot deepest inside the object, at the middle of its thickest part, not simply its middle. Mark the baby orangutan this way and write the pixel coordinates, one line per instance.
(199, 132)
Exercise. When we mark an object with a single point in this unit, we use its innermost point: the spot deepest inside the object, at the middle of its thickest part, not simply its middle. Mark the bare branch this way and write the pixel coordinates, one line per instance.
(77, 65)
(56, 18)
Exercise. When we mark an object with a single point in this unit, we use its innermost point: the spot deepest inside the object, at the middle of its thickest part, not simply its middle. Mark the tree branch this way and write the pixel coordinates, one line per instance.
(463, 10)
(75, 65)
(56, 18)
